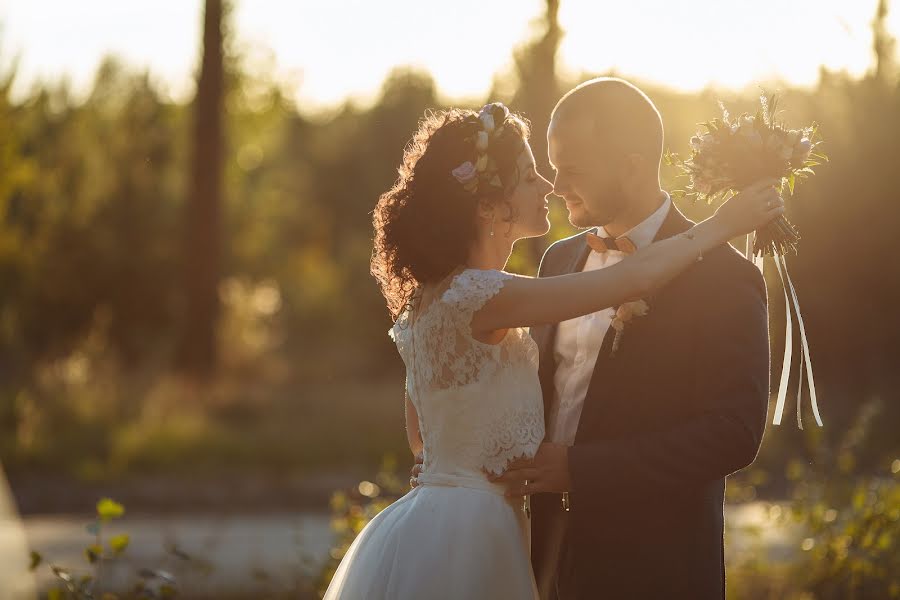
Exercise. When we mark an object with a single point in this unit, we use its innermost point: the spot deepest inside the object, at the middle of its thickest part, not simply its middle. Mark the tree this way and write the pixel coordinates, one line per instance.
(537, 92)
(883, 44)
(203, 214)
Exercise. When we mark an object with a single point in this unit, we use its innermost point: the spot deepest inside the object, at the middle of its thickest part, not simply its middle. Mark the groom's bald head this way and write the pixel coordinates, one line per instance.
(605, 143)
(621, 117)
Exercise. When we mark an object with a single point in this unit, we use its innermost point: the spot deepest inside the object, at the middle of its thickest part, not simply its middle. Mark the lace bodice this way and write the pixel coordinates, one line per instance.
(479, 405)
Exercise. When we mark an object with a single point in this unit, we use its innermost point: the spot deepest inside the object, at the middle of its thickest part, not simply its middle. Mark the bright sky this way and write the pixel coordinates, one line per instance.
(334, 49)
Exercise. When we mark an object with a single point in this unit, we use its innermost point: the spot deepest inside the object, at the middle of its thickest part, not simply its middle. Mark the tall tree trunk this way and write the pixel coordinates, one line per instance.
(203, 220)
(537, 93)
(883, 44)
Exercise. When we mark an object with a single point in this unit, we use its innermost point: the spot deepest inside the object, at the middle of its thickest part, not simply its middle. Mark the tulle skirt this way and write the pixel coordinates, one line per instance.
(451, 537)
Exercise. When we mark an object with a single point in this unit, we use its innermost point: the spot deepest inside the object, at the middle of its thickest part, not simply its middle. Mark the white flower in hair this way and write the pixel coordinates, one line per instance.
(466, 174)
(481, 141)
(487, 120)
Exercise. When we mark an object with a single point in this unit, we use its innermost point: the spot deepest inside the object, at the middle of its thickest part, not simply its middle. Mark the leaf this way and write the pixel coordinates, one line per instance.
(36, 560)
(93, 553)
(65, 576)
(156, 574)
(791, 183)
(175, 550)
(118, 543)
(55, 593)
(109, 509)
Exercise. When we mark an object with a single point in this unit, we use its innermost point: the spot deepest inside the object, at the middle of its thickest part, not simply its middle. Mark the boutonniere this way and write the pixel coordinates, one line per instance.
(625, 313)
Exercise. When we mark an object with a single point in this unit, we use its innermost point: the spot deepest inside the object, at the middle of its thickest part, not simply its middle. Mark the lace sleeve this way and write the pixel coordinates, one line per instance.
(472, 288)
(447, 355)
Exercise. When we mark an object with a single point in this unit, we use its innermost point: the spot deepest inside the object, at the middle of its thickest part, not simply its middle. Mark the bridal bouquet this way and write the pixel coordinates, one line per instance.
(730, 154)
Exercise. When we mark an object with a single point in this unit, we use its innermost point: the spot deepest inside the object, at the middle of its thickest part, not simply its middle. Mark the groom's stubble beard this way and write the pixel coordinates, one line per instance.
(607, 206)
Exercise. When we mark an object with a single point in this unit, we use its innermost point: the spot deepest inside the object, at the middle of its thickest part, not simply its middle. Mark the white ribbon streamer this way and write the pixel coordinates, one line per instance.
(788, 351)
(805, 357)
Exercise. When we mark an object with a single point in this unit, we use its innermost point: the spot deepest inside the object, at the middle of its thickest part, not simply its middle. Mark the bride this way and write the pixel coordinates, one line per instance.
(467, 190)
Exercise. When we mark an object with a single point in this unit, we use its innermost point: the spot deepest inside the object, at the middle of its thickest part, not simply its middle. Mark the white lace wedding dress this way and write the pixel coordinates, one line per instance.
(479, 406)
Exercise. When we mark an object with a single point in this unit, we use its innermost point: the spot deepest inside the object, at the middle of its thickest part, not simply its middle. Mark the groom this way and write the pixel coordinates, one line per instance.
(628, 488)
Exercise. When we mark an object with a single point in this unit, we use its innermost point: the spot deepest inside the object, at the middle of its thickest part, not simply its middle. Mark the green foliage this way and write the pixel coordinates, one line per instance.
(108, 509)
(118, 543)
(151, 583)
(352, 509)
(91, 206)
(843, 537)
(842, 526)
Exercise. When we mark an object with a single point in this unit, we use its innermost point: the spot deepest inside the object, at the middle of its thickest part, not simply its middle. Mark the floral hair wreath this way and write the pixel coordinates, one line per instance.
(483, 172)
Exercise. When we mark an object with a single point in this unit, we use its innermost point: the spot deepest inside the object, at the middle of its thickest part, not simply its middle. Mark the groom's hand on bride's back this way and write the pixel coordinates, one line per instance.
(416, 469)
(548, 471)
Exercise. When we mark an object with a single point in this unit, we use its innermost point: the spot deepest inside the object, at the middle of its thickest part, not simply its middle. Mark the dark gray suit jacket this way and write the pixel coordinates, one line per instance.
(680, 406)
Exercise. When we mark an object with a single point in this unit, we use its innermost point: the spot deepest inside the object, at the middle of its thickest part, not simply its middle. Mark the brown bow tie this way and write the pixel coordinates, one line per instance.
(604, 244)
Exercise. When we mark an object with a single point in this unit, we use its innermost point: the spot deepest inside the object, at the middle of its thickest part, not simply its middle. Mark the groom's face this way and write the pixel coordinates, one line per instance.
(587, 173)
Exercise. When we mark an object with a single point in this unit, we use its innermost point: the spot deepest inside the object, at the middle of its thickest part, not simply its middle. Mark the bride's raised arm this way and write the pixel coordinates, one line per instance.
(527, 301)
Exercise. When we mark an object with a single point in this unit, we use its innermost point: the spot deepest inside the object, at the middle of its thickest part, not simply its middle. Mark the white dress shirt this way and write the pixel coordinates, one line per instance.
(578, 340)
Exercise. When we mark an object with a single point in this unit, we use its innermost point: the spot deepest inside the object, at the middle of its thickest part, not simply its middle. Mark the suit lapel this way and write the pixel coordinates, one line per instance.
(579, 256)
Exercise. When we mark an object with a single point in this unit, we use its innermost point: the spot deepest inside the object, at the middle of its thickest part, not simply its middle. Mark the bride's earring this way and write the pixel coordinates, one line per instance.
(493, 218)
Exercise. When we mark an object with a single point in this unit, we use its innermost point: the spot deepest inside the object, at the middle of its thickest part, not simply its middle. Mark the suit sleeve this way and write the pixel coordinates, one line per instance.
(733, 385)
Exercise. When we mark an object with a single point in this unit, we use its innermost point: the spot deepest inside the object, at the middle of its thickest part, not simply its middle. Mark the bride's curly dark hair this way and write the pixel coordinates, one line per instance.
(425, 224)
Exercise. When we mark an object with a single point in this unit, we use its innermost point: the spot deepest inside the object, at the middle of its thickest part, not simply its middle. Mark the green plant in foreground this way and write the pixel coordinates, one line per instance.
(152, 583)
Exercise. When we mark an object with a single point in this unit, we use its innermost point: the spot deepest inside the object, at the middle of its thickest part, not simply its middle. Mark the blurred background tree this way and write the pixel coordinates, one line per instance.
(202, 219)
(129, 219)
